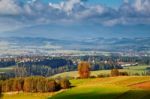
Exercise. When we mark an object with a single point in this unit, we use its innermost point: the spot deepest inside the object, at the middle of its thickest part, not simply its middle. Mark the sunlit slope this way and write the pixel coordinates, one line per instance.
(106, 88)
(130, 70)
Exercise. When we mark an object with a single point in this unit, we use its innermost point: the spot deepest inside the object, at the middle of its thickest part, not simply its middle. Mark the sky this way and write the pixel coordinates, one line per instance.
(75, 19)
(112, 3)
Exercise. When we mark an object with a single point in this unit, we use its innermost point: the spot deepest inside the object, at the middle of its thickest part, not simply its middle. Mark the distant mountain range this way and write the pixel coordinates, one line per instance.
(25, 44)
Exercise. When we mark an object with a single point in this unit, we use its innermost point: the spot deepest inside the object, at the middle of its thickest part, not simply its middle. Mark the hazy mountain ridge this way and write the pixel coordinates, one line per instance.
(101, 44)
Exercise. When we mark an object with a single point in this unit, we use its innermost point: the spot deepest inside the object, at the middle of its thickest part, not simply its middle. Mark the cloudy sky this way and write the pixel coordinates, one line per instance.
(75, 19)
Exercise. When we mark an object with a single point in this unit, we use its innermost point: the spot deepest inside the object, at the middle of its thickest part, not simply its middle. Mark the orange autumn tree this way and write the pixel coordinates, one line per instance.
(84, 69)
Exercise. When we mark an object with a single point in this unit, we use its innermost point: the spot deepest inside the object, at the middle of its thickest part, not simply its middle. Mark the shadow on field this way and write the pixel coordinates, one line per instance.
(85, 96)
(131, 94)
(72, 86)
(135, 94)
(1, 95)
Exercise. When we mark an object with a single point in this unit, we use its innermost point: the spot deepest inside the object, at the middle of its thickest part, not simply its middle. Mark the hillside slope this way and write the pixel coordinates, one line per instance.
(106, 88)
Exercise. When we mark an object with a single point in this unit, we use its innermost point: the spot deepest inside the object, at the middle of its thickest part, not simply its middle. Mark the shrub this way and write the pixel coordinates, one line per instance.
(64, 83)
(101, 75)
(136, 74)
(148, 73)
(92, 76)
(123, 74)
(114, 72)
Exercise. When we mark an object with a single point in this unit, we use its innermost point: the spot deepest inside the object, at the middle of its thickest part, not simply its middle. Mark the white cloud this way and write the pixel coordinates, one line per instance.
(142, 5)
(90, 12)
(35, 12)
(67, 6)
(9, 7)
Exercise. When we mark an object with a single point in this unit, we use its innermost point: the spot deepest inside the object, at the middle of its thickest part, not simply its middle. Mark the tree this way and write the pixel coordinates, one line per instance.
(114, 72)
(64, 83)
(33, 84)
(0, 89)
(50, 86)
(17, 84)
(84, 69)
(27, 85)
(41, 83)
(20, 71)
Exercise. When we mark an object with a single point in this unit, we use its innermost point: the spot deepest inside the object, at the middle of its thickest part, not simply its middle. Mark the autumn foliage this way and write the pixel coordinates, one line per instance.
(114, 72)
(84, 69)
(33, 84)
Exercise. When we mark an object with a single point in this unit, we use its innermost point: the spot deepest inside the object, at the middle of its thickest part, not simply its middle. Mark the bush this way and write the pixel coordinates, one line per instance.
(64, 83)
(136, 74)
(114, 72)
(123, 74)
(103, 75)
(148, 73)
(93, 76)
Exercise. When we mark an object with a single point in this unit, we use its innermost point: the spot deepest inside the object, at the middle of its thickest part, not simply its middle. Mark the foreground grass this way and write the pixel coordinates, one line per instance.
(97, 88)
(106, 88)
(26, 96)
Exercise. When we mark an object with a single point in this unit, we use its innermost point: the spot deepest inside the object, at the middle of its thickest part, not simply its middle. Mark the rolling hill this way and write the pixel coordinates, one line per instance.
(126, 87)
(106, 88)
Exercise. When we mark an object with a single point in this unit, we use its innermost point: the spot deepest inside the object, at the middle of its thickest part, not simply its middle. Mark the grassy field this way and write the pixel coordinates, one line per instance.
(96, 88)
(131, 70)
(106, 88)
(6, 69)
(27, 96)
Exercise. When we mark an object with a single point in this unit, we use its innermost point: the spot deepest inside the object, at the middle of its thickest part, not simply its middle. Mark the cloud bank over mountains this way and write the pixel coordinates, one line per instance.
(16, 14)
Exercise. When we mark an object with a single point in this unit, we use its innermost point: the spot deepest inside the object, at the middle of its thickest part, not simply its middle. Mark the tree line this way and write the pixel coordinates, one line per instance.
(34, 84)
(45, 67)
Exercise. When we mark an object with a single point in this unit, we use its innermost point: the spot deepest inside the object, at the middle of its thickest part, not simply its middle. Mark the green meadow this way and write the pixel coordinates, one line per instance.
(121, 87)
(6, 69)
(105, 88)
(132, 70)
(94, 88)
